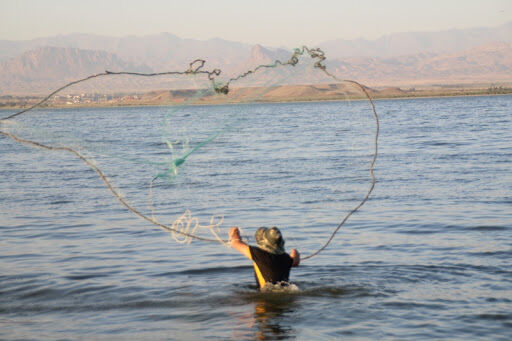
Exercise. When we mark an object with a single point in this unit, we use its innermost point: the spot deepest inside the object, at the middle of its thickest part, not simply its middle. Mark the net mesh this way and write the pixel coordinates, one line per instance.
(213, 154)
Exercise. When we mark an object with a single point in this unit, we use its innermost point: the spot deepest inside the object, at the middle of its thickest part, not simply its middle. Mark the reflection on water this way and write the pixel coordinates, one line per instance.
(273, 317)
(277, 315)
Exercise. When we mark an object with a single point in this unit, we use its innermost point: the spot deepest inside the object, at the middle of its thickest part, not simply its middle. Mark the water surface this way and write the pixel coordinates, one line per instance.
(428, 257)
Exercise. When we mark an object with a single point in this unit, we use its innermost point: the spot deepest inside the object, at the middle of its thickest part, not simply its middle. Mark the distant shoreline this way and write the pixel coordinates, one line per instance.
(281, 94)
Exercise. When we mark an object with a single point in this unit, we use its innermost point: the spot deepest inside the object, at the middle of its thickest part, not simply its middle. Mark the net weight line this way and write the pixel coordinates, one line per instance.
(196, 68)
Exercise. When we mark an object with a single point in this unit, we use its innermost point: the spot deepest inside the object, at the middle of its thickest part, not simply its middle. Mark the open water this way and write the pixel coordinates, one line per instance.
(427, 257)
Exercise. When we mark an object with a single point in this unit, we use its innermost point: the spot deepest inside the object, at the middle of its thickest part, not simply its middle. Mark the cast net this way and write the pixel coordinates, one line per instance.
(195, 151)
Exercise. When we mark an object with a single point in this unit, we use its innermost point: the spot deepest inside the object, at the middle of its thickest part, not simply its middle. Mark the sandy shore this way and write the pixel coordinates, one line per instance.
(285, 93)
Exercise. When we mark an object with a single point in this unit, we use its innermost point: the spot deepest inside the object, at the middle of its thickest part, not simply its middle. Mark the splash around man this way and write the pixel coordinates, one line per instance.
(271, 263)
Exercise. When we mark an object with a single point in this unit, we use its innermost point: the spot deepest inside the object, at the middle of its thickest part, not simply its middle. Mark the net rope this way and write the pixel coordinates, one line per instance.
(196, 69)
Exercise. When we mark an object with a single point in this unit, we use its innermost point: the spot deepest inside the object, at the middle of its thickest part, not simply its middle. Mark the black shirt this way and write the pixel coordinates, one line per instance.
(269, 267)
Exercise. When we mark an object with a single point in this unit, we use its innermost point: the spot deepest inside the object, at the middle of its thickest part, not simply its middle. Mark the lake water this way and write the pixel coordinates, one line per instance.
(427, 257)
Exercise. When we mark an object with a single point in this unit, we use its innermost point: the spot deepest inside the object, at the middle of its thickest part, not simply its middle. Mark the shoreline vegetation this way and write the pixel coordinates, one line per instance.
(283, 93)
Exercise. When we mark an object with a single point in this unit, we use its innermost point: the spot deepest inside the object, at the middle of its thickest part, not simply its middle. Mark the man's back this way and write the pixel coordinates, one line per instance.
(270, 267)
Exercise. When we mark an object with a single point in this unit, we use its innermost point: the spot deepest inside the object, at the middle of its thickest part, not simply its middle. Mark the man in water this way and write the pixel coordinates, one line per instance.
(271, 263)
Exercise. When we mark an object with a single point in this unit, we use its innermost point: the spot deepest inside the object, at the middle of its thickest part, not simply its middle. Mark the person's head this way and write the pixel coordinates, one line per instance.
(270, 240)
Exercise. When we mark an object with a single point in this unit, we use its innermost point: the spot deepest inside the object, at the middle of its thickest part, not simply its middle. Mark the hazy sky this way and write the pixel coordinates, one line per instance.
(275, 23)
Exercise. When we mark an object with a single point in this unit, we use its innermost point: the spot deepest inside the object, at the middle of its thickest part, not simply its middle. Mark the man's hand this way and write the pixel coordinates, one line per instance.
(234, 233)
(295, 255)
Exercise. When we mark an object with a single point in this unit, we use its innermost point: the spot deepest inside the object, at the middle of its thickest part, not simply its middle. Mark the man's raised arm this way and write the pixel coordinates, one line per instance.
(237, 243)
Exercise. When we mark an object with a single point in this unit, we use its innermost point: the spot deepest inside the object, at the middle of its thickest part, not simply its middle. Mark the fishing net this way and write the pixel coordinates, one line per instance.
(214, 153)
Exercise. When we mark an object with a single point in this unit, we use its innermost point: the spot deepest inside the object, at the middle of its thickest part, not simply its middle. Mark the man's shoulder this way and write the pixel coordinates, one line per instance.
(258, 251)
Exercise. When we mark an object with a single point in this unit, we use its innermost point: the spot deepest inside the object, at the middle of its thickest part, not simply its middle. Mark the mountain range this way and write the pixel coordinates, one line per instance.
(458, 56)
(407, 43)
